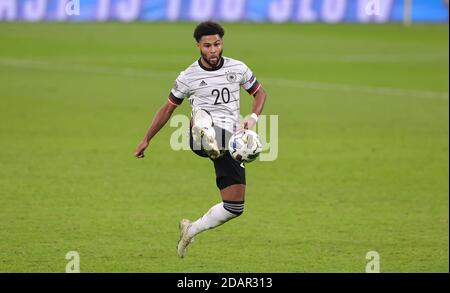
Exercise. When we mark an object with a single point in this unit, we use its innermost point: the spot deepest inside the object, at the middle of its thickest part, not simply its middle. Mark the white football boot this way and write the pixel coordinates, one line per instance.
(185, 240)
(203, 132)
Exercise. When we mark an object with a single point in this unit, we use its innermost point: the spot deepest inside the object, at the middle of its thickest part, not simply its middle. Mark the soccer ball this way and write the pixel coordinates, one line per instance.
(245, 146)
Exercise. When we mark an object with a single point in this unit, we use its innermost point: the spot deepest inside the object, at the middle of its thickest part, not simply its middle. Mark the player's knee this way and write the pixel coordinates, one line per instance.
(234, 207)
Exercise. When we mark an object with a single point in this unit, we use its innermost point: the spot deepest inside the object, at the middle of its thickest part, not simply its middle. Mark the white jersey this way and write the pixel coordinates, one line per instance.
(215, 90)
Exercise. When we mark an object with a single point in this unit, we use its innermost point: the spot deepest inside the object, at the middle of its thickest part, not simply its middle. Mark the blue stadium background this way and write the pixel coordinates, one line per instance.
(224, 10)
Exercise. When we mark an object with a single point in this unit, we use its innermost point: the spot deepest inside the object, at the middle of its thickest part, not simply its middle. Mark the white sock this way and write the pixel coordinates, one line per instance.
(216, 216)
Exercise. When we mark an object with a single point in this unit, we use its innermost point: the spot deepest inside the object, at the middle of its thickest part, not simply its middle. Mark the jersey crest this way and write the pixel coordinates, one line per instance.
(231, 76)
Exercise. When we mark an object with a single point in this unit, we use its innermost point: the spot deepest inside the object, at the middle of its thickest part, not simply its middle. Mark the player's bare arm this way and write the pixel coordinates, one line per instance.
(160, 119)
(258, 105)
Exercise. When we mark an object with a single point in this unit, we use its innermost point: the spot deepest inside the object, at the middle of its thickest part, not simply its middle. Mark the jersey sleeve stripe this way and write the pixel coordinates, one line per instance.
(254, 88)
(183, 93)
(174, 100)
(178, 80)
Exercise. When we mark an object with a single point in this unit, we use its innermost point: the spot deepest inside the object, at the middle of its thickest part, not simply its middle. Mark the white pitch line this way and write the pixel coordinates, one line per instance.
(134, 72)
(393, 58)
(80, 68)
(384, 91)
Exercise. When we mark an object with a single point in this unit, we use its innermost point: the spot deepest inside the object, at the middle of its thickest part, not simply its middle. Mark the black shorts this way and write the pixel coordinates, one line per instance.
(228, 170)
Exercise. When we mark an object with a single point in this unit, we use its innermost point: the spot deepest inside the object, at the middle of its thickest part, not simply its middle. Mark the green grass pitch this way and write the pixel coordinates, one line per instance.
(363, 150)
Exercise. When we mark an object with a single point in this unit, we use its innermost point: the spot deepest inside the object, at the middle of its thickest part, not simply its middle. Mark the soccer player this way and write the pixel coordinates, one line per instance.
(212, 85)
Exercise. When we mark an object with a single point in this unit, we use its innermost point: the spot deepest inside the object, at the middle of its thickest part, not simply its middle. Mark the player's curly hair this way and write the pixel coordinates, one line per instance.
(208, 28)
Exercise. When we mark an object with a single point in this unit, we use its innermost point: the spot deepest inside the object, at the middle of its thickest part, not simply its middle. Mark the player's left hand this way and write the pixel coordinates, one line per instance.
(139, 152)
(249, 123)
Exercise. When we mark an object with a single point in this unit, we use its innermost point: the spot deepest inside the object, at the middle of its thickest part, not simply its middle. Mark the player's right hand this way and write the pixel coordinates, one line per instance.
(139, 152)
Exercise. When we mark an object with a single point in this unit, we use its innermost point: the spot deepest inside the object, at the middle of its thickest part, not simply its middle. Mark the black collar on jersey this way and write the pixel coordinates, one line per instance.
(221, 61)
